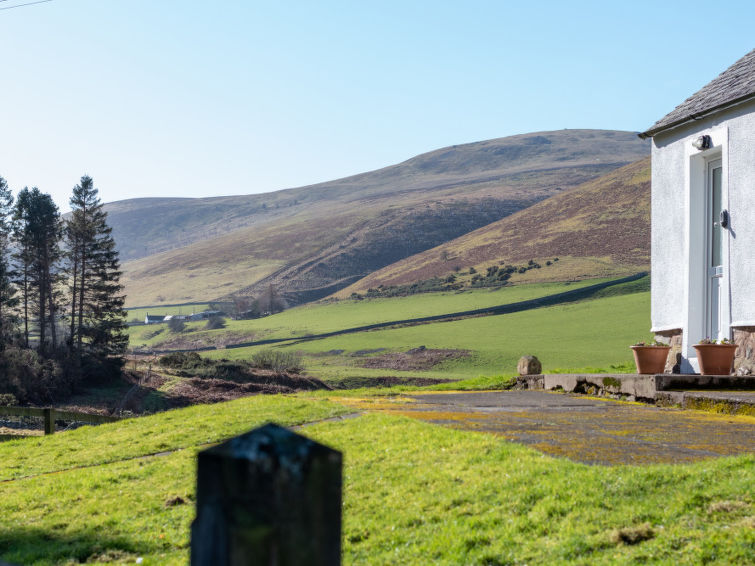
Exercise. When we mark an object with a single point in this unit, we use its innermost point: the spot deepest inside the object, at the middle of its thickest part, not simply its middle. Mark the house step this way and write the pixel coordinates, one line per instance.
(726, 402)
(719, 393)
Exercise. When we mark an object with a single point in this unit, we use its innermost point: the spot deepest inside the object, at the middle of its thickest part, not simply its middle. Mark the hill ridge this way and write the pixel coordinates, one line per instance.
(312, 237)
(607, 219)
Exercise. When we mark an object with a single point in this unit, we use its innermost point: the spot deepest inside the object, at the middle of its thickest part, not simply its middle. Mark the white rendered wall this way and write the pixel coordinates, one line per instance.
(667, 238)
(677, 237)
(742, 210)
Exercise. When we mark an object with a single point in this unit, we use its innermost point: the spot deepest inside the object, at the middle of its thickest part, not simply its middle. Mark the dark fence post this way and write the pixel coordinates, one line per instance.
(49, 421)
(268, 497)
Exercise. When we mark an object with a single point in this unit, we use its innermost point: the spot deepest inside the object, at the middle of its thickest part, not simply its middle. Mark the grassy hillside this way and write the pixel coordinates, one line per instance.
(588, 334)
(313, 240)
(601, 228)
(592, 333)
(318, 318)
(413, 492)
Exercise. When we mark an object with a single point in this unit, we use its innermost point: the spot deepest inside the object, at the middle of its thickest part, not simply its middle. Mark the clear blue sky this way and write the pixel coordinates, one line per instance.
(184, 98)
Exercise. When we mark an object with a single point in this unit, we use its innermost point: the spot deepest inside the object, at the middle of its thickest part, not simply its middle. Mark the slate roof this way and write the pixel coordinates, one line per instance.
(735, 84)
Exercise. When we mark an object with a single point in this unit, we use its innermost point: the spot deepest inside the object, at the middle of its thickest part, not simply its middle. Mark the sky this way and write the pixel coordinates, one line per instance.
(195, 99)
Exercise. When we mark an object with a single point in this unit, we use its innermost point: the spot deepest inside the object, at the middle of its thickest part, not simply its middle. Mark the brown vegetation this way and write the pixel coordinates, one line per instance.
(308, 242)
(599, 228)
(415, 359)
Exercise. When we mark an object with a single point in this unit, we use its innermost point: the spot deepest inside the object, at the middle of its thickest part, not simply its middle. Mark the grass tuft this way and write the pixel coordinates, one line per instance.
(277, 360)
(632, 535)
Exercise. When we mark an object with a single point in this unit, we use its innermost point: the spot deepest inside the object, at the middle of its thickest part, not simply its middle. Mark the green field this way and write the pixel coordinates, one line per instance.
(317, 318)
(414, 493)
(587, 334)
(591, 333)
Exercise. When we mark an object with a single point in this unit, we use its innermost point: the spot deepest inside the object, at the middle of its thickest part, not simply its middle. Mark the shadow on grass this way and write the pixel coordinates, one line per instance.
(26, 545)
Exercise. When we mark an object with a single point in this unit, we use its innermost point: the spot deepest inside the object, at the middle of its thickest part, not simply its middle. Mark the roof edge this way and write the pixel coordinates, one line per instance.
(694, 117)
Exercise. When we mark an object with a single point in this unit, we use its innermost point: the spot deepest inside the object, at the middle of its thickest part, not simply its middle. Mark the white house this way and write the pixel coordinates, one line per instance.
(154, 319)
(703, 218)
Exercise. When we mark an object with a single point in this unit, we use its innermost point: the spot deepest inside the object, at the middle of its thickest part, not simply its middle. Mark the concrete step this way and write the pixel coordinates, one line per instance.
(719, 393)
(726, 402)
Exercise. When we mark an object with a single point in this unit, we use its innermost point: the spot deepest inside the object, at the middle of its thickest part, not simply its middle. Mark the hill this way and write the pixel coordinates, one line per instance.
(599, 229)
(314, 240)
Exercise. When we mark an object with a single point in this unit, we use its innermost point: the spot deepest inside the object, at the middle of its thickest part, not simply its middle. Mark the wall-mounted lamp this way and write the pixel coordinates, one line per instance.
(703, 142)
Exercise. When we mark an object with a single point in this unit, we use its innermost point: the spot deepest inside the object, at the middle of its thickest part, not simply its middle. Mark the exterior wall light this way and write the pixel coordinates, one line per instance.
(703, 142)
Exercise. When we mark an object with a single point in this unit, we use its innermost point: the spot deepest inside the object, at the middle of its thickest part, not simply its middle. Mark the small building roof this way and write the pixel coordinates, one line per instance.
(736, 84)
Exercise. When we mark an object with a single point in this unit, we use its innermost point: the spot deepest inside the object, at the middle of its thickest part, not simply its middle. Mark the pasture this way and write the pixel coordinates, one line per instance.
(414, 493)
(592, 334)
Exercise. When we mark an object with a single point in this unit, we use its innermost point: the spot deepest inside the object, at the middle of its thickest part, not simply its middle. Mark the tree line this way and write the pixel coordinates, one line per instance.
(61, 302)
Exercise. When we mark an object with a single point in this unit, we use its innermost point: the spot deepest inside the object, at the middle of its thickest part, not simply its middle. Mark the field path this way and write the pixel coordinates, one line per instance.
(584, 429)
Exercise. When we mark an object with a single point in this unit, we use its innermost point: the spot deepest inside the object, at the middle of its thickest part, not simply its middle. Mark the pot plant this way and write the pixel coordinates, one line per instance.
(715, 357)
(650, 357)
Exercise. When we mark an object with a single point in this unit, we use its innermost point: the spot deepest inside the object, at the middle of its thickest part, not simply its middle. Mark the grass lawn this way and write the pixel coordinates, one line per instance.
(425, 494)
(588, 334)
(415, 493)
(317, 318)
(171, 430)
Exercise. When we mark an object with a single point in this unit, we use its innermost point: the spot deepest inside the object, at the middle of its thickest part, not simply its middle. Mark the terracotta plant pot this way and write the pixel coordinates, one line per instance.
(715, 359)
(650, 359)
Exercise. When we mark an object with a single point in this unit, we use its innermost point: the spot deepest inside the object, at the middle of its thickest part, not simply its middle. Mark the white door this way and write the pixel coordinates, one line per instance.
(715, 240)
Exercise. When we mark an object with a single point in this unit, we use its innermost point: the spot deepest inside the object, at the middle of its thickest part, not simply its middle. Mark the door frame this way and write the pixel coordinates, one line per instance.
(696, 258)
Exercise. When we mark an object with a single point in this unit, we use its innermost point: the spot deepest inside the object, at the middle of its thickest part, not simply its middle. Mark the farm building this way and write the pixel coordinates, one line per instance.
(703, 219)
(204, 315)
(154, 318)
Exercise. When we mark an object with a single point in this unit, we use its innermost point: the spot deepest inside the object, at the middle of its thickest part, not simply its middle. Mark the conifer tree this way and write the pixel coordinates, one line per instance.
(37, 230)
(97, 318)
(8, 299)
(22, 256)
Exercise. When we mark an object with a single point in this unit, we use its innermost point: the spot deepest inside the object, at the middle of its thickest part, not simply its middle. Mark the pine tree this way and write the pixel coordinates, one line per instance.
(8, 299)
(97, 318)
(37, 229)
(22, 256)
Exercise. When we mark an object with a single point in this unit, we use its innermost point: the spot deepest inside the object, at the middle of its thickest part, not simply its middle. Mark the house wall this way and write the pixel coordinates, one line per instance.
(667, 242)
(677, 187)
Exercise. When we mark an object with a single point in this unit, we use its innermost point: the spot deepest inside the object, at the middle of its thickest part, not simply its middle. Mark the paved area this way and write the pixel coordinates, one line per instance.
(589, 430)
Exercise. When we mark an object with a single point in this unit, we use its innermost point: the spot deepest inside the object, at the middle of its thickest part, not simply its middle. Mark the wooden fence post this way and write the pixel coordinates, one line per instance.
(268, 497)
(49, 421)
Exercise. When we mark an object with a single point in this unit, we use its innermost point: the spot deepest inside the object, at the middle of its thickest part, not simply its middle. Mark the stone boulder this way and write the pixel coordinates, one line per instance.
(529, 365)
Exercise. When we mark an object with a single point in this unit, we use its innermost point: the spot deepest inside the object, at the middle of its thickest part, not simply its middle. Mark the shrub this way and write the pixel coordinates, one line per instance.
(277, 361)
(176, 325)
(215, 323)
(183, 360)
(8, 400)
(30, 378)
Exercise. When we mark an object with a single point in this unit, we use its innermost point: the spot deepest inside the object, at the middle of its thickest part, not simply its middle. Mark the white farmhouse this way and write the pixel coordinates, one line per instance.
(154, 319)
(703, 218)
